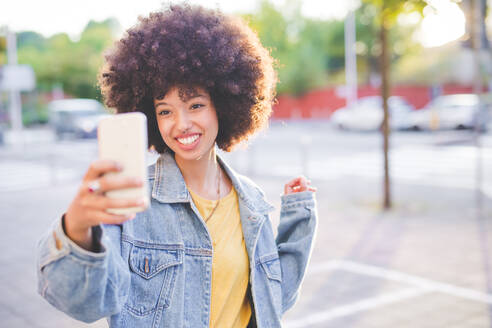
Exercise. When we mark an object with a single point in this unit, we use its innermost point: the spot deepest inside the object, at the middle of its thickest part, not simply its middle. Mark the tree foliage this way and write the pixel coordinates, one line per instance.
(389, 10)
(292, 42)
(310, 52)
(58, 60)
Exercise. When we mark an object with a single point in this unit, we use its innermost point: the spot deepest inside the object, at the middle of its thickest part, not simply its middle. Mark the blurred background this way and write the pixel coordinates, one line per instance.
(385, 105)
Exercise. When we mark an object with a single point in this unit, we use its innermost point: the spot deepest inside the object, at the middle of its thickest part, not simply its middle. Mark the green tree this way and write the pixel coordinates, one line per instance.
(58, 60)
(386, 17)
(401, 42)
(3, 50)
(295, 42)
(3, 45)
(310, 52)
(73, 64)
(31, 39)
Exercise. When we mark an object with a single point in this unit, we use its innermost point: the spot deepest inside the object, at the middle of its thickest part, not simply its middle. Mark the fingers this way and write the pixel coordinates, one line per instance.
(100, 202)
(113, 182)
(85, 212)
(298, 184)
(289, 187)
(100, 167)
(89, 206)
(107, 218)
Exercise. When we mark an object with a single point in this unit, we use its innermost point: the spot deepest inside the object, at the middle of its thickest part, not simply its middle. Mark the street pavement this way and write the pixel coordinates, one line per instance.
(425, 263)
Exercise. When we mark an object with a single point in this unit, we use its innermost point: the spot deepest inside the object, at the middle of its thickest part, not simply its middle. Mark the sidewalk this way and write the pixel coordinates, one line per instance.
(411, 267)
(367, 269)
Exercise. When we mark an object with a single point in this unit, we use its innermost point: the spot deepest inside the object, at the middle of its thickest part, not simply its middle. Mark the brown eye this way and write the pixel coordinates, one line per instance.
(196, 106)
(163, 113)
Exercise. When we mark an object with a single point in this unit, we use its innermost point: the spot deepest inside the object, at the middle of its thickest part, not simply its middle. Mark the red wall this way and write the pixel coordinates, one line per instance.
(322, 103)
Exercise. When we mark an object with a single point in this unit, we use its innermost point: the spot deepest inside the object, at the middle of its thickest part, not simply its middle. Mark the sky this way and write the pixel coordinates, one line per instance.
(53, 16)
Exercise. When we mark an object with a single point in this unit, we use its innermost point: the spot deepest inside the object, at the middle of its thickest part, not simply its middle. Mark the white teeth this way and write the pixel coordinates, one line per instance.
(188, 140)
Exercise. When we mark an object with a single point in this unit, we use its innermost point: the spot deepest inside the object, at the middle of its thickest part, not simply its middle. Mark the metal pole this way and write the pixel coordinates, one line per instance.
(350, 60)
(15, 106)
(477, 89)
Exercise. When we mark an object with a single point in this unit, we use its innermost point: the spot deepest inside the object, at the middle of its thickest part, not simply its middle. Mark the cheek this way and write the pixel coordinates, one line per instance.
(164, 128)
(214, 123)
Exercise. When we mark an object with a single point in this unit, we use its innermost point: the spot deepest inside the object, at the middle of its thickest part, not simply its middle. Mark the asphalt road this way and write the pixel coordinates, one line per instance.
(447, 158)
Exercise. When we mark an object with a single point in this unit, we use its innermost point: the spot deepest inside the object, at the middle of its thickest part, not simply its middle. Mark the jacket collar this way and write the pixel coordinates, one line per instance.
(169, 186)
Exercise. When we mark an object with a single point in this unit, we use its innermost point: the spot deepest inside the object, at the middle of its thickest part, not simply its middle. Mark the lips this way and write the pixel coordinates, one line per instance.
(188, 141)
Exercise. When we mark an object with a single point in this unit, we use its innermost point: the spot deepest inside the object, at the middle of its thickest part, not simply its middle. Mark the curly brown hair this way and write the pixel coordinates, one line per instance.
(188, 46)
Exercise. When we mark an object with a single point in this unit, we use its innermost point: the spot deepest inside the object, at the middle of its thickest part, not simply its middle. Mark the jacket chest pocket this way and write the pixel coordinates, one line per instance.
(153, 276)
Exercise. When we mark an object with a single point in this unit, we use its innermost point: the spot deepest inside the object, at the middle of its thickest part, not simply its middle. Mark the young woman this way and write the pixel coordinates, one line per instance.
(204, 253)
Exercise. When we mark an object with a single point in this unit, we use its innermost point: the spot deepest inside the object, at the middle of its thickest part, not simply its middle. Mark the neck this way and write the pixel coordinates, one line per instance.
(200, 174)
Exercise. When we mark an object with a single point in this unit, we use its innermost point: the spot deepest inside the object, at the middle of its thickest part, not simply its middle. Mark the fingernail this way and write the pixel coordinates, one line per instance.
(118, 166)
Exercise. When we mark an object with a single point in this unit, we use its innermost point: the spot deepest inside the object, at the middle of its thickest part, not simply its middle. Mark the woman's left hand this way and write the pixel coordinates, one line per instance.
(298, 184)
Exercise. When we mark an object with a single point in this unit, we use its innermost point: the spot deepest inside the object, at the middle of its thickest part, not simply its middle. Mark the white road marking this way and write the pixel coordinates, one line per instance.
(419, 282)
(420, 286)
(363, 305)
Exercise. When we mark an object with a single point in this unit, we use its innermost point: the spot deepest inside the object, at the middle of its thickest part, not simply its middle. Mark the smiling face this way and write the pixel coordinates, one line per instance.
(187, 122)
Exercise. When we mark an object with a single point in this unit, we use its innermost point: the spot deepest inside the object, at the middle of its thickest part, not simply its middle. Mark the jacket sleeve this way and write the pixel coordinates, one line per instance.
(295, 240)
(85, 285)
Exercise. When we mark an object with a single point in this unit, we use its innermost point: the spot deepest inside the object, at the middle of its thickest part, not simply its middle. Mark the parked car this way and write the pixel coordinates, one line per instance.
(76, 117)
(367, 114)
(459, 111)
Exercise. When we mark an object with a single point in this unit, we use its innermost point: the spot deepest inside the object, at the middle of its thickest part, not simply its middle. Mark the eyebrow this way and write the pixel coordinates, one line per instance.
(160, 102)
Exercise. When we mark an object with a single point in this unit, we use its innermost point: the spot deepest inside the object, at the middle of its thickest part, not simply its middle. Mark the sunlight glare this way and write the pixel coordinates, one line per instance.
(445, 24)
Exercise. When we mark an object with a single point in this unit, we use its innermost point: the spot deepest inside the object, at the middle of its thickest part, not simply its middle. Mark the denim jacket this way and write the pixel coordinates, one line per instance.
(156, 270)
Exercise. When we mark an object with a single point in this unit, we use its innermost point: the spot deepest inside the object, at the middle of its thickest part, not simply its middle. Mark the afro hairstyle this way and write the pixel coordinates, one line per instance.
(188, 46)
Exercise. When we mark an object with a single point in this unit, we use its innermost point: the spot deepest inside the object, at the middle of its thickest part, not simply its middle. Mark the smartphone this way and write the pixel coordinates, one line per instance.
(123, 138)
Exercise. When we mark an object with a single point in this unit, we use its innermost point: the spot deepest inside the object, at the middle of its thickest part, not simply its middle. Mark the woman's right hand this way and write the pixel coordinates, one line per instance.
(88, 208)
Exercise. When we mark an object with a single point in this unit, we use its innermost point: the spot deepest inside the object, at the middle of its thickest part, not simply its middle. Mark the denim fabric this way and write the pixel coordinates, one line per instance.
(156, 270)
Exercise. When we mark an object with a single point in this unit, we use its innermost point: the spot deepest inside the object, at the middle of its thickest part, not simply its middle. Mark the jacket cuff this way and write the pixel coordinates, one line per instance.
(66, 245)
(304, 198)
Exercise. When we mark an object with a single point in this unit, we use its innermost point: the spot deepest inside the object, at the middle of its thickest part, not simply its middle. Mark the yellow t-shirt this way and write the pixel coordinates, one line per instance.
(230, 265)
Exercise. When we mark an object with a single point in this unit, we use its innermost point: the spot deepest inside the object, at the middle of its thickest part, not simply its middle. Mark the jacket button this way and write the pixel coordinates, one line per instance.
(58, 243)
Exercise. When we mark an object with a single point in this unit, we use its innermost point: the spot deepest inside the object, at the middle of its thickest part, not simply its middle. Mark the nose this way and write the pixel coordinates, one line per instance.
(183, 121)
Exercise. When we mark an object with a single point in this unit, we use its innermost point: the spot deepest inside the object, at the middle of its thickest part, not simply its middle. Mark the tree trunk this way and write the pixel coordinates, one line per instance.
(385, 94)
(469, 7)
